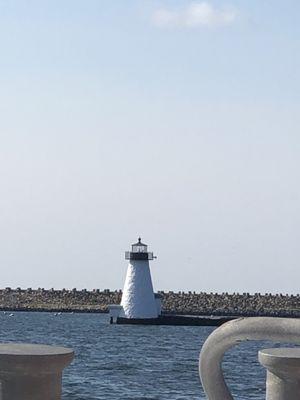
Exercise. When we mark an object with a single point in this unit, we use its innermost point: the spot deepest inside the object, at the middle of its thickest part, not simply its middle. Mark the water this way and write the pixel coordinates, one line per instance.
(134, 362)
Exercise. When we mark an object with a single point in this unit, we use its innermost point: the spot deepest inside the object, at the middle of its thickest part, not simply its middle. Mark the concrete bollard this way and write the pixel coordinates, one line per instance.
(32, 372)
(283, 373)
(283, 365)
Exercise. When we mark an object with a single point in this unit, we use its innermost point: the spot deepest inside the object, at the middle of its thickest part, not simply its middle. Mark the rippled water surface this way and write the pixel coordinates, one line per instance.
(133, 362)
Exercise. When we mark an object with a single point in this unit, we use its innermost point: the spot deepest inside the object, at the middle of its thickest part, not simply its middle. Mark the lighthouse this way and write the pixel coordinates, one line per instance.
(138, 299)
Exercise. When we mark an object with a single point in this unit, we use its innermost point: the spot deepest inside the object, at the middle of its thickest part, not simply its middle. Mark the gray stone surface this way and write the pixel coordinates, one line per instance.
(283, 373)
(221, 304)
(32, 372)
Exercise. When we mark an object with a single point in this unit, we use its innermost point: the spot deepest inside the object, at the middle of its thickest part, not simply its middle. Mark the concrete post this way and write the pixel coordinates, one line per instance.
(283, 373)
(284, 330)
(32, 372)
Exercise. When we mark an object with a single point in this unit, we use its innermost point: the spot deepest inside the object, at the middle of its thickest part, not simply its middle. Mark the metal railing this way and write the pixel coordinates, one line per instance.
(283, 364)
(129, 255)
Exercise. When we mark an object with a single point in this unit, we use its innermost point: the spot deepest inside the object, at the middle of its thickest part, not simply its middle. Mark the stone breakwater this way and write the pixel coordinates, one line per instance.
(182, 303)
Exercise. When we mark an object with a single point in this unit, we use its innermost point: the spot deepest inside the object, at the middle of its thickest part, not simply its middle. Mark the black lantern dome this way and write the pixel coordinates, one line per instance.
(139, 251)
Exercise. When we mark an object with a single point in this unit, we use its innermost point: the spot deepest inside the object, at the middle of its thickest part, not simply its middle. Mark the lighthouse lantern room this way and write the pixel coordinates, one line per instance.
(139, 251)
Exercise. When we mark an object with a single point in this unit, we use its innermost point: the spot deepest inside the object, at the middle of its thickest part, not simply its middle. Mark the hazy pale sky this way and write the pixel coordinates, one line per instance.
(174, 120)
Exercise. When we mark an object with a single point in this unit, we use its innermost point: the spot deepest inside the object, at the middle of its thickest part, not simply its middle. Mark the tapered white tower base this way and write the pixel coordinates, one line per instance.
(138, 299)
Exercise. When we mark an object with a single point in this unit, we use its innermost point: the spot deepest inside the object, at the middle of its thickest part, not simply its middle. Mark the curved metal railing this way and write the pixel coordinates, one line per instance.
(283, 330)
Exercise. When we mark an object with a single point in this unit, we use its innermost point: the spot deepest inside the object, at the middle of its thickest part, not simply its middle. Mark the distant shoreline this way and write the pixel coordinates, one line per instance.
(180, 303)
(54, 310)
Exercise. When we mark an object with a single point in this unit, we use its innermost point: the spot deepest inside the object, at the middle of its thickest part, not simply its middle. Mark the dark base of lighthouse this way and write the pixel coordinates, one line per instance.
(175, 320)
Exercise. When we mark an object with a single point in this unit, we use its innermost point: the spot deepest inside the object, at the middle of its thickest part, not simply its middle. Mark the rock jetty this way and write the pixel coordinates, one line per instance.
(180, 303)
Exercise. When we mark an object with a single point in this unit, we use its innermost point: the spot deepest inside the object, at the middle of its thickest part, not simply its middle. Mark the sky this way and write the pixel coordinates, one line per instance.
(174, 120)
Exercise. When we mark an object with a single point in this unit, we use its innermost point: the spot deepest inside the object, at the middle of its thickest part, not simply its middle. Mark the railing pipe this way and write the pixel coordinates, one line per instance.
(284, 330)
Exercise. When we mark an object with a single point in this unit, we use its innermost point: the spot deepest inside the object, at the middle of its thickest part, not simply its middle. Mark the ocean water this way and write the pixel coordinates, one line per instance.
(134, 362)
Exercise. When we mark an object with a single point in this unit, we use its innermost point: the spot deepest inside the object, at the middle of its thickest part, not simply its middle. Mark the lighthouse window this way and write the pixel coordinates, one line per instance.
(139, 249)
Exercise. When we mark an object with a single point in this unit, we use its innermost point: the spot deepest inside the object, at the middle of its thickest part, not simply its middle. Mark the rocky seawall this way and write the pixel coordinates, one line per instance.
(180, 303)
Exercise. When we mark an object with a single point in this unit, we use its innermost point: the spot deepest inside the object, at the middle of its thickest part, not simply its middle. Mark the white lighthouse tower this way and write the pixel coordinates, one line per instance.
(138, 299)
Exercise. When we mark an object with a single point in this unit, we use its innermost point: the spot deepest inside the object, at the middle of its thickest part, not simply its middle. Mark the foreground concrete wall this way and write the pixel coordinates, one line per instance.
(179, 303)
(283, 373)
(32, 372)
